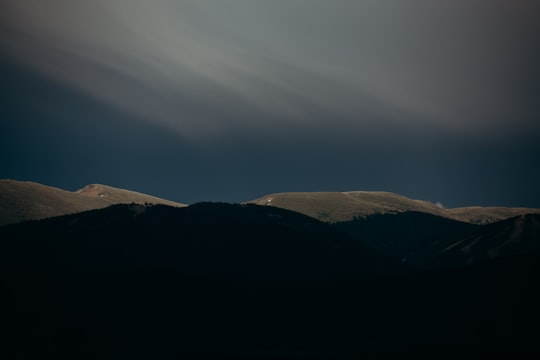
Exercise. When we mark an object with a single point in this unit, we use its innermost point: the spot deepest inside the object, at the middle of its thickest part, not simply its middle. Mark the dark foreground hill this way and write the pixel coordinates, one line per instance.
(425, 241)
(407, 236)
(515, 236)
(225, 240)
(233, 281)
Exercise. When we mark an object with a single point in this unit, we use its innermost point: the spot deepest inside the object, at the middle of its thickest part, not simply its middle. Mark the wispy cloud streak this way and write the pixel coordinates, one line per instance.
(212, 67)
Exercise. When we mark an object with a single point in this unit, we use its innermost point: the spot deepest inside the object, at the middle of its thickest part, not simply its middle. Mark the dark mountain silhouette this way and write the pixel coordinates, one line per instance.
(515, 236)
(423, 241)
(204, 239)
(409, 237)
(245, 281)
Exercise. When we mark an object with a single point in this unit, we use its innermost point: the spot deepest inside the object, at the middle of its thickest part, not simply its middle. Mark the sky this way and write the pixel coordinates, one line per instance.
(229, 100)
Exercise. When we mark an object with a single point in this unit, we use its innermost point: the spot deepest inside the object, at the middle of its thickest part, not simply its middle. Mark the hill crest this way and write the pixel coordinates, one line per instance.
(346, 206)
(27, 200)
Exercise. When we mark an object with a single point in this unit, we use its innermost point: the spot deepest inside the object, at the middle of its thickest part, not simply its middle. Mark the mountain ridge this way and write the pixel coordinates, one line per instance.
(28, 200)
(346, 206)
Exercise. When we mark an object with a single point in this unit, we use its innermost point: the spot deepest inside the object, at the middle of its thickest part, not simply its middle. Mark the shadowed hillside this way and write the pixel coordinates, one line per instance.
(407, 236)
(25, 200)
(515, 236)
(205, 238)
(424, 241)
(245, 281)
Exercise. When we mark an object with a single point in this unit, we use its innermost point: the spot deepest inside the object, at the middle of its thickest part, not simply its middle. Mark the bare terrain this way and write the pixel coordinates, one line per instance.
(490, 214)
(346, 206)
(26, 200)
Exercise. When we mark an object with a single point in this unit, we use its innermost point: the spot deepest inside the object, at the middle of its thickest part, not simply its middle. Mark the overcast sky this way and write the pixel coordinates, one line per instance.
(229, 100)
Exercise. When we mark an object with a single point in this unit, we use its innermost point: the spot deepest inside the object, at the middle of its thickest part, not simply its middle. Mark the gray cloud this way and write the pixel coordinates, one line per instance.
(208, 68)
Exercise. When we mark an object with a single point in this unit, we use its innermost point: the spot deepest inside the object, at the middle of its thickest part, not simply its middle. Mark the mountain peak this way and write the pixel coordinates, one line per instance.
(346, 206)
(26, 200)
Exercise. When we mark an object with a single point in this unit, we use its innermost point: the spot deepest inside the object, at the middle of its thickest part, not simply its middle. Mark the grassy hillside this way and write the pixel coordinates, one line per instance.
(346, 206)
(343, 206)
(25, 200)
(489, 214)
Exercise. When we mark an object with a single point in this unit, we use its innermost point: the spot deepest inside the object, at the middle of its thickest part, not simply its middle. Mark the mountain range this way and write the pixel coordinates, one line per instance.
(382, 277)
(25, 200)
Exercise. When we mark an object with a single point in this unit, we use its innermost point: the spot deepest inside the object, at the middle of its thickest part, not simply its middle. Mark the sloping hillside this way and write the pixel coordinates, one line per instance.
(424, 241)
(409, 236)
(488, 214)
(343, 206)
(346, 206)
(25, 200)
(232, 281)
(122, 196)
(510, 237)
(205, 238)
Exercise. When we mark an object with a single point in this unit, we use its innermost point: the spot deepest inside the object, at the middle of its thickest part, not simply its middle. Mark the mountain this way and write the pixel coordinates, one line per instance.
(206, 238)
(425, 241)
(245, 281)
(488, 214)
(343, 206)
(515, 236)
(346, 206)
(25, 200)
(407, 236)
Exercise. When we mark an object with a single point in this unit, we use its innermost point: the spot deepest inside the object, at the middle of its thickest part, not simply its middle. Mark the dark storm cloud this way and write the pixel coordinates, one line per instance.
(60, 137)
(229, 100)
(216, 67)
